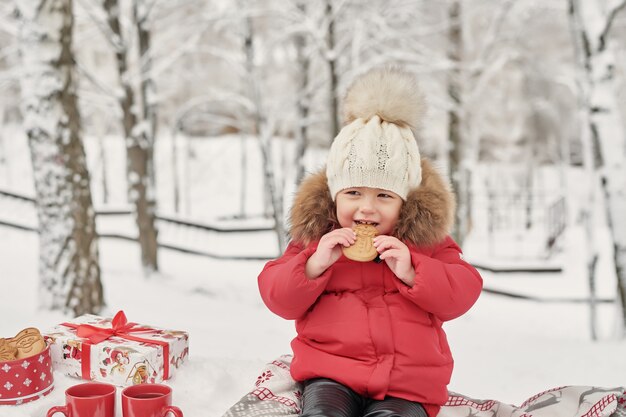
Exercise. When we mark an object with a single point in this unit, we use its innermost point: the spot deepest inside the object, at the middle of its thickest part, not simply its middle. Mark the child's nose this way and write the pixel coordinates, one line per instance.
(367, 206)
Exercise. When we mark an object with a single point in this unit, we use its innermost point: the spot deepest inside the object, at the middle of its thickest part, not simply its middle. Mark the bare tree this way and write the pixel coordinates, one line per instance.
(265, 131)
(303, 98)
(137, 139)
(330, 17)
(141, 20)
(606, 143)
(69, 272)
(455, 135)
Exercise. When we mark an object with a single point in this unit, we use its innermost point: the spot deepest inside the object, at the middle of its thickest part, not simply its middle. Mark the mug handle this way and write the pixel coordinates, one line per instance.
(58, 409)
(171, 409)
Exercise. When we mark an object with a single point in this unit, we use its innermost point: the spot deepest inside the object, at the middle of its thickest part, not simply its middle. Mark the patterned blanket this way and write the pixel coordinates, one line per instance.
(276, 394)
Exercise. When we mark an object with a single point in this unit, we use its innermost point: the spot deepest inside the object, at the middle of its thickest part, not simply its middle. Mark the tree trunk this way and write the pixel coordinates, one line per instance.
(69, 272)
(333, 85)
(138, 149)
(265, 133)
(303, 104)
(141, 11)
(248, 46)
(147, 136)
(456, 147)
(598, 88)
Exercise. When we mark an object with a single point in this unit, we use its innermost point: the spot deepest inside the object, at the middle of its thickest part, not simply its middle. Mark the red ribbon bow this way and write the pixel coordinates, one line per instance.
(120, 327)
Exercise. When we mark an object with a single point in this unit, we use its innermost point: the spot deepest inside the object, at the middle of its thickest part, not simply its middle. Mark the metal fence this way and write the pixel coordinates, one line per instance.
(514, 224)
(232, 240)
(519, 224)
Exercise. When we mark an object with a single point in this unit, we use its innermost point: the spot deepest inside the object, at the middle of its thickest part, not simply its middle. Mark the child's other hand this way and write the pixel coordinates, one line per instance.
(397, 256)
(328, 251)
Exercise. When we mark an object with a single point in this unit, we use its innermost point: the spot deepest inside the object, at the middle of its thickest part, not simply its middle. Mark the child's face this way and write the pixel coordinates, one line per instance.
(368, 205)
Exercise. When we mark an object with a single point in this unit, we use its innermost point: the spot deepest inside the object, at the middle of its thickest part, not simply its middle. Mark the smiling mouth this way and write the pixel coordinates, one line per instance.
(366, 222)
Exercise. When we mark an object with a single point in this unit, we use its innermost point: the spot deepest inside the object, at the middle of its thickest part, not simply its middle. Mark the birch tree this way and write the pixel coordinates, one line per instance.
(147, 85)
(69, 272)
(455, 137)
(330, 21)
(606, 144)
(136, 137)
(265, 131)
(303, 97)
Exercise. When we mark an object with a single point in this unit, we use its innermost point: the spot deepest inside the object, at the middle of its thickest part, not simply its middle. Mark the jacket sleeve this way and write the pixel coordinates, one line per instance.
(445, 285)
(284, 287)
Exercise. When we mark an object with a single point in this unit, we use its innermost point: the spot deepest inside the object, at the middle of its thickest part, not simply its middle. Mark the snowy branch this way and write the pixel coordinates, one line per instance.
(12, 50)
(84, 71)
(609, 24)
(214, 97)
(7, 82)
(104, 28)
(337, 9)
(148, 10)
(490, 40)
(8, 24)
(487, 73)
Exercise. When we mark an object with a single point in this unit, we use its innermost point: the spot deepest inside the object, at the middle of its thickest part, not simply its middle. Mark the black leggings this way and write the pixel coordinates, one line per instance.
(326, 398)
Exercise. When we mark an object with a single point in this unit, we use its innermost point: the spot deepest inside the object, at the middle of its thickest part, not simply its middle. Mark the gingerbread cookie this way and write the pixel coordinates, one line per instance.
(7, 352)
(28, 342)
(363, 249)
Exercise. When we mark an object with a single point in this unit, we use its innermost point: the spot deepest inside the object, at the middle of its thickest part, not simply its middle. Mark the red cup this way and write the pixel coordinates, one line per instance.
(91, 399)
(148, 400)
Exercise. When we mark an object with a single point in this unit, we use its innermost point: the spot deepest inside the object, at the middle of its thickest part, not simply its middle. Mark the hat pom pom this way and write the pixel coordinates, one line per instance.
(389, 93)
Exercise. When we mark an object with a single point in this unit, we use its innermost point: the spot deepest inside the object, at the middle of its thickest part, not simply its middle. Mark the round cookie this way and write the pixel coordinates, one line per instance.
(363, 249)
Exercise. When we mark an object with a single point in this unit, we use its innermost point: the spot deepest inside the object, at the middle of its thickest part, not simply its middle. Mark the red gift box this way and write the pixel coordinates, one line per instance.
(27, 379)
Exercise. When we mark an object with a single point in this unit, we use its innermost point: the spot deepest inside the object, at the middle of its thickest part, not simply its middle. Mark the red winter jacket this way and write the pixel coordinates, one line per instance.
(359, 324)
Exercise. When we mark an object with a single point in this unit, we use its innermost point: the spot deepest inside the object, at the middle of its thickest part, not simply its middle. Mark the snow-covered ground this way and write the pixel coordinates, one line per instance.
(505, 349)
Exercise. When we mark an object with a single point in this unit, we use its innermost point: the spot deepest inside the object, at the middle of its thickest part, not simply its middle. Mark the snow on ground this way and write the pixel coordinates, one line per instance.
(505, 349)
(216, 301)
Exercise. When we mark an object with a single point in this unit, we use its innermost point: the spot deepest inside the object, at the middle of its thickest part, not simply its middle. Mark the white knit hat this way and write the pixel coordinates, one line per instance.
(377, 148)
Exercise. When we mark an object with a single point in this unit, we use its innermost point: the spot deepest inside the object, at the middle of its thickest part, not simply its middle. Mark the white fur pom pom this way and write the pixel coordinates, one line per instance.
(390, 93)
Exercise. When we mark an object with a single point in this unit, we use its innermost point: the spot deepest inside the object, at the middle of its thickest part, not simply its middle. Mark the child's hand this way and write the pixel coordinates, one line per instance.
(397, 256)
(328, 251)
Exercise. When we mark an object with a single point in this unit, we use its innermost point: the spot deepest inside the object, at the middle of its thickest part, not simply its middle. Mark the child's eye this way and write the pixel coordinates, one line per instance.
(352, 192)
(384, 195)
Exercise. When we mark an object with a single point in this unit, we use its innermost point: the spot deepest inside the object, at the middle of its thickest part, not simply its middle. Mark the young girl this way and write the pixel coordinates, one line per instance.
(369, 339)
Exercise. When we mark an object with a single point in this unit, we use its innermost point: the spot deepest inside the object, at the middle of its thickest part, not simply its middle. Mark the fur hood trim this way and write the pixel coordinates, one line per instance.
(425, 219)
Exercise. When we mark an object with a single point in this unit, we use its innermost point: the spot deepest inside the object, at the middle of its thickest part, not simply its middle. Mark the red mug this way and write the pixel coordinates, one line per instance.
(148, 400)
(91, 399)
